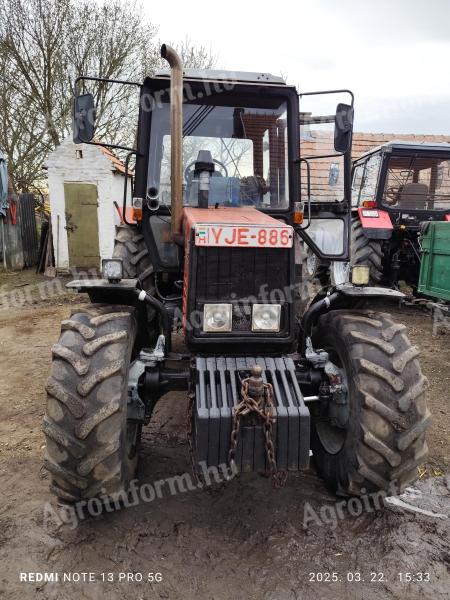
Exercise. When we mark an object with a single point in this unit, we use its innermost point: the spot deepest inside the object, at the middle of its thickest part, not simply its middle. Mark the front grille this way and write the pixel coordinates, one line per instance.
(227, 274)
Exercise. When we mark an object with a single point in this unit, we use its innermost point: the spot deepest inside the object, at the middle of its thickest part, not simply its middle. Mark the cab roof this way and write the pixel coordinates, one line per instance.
(218, 75)
(407, 146)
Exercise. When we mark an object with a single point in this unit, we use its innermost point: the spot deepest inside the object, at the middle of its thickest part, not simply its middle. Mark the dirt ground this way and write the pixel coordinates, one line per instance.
(242, 540)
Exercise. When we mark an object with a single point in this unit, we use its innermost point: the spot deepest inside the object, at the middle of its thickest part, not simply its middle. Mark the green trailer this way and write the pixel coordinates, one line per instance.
(434, 277)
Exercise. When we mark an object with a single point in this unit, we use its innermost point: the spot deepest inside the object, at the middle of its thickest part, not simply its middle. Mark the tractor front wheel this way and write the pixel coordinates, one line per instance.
(377, 440)
(92, 447)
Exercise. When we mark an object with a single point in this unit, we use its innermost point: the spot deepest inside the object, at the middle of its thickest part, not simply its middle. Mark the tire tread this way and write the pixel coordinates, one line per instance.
(391, 390)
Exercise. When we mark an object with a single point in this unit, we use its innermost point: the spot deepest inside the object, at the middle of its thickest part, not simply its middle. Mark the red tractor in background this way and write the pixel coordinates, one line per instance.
(396, 188)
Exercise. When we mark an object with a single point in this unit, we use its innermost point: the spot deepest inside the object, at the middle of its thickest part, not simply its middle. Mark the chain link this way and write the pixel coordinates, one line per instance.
(190, 436)
(264, 409)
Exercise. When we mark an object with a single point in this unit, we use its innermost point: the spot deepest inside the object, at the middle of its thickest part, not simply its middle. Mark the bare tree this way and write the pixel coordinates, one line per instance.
(44, 46)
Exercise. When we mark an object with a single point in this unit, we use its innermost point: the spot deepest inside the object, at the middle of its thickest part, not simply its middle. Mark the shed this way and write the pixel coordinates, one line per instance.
(84, 181)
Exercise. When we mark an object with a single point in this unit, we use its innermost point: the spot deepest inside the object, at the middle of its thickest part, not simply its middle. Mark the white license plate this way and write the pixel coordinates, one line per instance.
(245, 236)
(369, 213)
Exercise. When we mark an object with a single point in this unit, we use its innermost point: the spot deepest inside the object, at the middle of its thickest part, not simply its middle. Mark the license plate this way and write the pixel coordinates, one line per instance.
(249, 236)
(369, 213)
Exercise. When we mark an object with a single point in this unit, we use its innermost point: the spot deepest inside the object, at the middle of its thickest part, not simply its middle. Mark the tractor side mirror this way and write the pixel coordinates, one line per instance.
(343, 127)
(83, 118)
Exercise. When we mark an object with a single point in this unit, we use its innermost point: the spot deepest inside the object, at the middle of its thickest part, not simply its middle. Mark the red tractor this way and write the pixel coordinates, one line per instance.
(397, 188)
(213, 258)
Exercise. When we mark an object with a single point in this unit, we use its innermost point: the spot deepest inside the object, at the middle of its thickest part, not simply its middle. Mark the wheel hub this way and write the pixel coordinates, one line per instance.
(332, 426)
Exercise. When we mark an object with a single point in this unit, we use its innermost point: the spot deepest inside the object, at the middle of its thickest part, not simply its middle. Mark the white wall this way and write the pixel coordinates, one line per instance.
(94, 167)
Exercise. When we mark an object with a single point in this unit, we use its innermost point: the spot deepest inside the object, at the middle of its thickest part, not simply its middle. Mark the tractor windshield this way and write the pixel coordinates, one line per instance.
(247, 144)
(418, 182)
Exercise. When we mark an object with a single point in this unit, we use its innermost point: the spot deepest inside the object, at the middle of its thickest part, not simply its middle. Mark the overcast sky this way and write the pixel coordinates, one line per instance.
(393, 54)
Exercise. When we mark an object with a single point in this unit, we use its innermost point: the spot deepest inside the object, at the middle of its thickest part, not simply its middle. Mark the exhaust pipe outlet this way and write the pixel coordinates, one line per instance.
(176, 135)
(153, 201)
(153, 204)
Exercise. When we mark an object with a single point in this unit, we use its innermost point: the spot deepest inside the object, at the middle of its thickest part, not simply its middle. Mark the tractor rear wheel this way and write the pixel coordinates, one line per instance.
(379, 441)
(129, 245)
(92, 448)
(364, 251)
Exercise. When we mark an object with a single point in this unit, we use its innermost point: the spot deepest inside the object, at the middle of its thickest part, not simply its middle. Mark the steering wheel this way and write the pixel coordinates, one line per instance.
(392, 193)
(189, 171)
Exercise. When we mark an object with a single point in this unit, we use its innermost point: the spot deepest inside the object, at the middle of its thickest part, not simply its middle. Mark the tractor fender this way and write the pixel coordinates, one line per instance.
(348, 289)
(336, 298)
(103, 290)
(84, 285)
(376, 224)
(336, 293)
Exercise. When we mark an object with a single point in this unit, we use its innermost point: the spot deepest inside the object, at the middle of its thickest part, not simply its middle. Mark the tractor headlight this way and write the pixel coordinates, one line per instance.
(360, 274)
(266, 317)
(112, 269)
(217, 317)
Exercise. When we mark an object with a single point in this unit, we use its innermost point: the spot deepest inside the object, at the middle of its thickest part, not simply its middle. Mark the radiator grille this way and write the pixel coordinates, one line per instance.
(225, 274)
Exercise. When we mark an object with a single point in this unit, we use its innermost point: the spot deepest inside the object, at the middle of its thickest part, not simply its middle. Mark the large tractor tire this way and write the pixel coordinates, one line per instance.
(364, 251)
(92, 448)
(381, 441)
(129, 245)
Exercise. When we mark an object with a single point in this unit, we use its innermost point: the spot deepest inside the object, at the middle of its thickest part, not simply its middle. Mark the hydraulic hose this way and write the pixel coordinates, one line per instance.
(163, 313)
(312, 314)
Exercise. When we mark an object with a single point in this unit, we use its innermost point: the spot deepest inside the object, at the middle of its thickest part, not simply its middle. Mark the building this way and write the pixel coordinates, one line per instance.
(84, 181)
(364, 142)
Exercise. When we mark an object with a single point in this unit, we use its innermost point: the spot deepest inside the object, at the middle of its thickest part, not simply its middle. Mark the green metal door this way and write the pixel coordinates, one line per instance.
(82, 224)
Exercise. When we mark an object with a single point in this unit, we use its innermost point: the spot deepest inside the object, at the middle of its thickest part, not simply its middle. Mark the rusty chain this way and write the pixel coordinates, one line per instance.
(190, 435)
(264, 409)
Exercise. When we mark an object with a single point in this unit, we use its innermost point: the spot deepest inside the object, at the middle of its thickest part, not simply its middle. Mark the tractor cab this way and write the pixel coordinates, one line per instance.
(395, 189)
(405, 177)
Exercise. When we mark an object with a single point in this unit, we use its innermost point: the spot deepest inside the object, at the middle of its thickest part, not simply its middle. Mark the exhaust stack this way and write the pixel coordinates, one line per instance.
(176, 135)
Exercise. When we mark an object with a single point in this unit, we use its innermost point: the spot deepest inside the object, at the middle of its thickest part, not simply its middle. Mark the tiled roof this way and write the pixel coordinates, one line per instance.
(364, 142)
(117, 163)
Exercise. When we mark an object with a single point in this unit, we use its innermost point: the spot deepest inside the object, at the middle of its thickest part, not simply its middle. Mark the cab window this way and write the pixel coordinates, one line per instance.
(370, 179)
(247, 144)
(356, 183)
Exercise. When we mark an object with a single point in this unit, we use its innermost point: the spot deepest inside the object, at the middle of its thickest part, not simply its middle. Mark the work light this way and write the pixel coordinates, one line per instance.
(360, 274)
(217, 317)
(112, 269)
(266, 317)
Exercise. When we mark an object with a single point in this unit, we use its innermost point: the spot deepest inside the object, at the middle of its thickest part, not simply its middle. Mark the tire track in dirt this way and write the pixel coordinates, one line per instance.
(240, 541)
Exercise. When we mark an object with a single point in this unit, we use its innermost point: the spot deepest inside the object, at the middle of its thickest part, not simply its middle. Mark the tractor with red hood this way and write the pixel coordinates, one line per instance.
(397, 189)
(212, 259)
